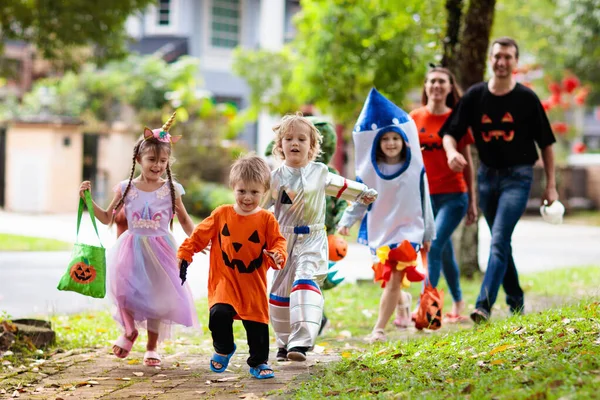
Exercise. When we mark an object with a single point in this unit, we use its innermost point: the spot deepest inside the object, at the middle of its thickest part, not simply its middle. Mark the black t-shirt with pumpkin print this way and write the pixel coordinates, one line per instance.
(506, 128)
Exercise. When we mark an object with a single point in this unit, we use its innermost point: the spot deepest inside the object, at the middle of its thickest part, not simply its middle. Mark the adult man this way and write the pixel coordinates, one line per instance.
(507, 120)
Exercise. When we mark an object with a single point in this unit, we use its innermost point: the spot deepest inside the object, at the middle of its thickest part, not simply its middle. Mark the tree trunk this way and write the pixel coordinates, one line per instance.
(468, 63)
(474, 42)
(451, 40)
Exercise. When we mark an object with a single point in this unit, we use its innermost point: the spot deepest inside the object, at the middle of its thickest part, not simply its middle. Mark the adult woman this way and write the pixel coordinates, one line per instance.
(452, 193)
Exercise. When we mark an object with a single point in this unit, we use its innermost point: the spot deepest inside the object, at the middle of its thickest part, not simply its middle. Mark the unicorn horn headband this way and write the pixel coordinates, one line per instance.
(162, 134)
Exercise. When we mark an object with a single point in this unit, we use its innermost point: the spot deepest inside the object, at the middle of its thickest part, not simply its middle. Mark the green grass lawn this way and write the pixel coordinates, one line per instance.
(515, 357)
(538, 356)
(591, 217)
(26, 243)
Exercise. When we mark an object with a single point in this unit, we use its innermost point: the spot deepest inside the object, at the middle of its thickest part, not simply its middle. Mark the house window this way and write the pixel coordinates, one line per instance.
(292, 8)
(225, 27)
(164, 12)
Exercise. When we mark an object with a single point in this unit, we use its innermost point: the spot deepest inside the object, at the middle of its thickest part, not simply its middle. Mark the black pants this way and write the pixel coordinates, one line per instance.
(221, 328)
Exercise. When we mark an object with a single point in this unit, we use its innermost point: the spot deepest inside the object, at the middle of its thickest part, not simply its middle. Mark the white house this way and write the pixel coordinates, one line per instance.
(210, 30)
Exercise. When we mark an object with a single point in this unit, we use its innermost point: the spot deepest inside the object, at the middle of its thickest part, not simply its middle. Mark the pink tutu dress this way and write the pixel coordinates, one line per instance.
(143, 277)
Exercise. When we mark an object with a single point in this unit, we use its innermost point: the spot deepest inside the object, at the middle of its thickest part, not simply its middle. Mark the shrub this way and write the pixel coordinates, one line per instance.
(202, 198)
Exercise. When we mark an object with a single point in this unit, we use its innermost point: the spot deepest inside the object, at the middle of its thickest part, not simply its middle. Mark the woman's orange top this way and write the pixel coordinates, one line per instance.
(441, 178)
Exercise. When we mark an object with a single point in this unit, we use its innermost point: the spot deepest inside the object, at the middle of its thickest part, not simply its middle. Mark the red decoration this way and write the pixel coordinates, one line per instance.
(570, 83)
(579, 148)
(581, 96)
(555, 100)
(555, 88)
(560, 127)
(547, 105)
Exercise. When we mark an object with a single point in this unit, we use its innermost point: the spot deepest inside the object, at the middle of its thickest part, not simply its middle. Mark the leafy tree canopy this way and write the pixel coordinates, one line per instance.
(57, 26)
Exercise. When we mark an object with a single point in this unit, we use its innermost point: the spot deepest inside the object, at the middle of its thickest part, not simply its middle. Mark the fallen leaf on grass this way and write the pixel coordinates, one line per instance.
(133, 361)
(566, 321)
(346, 354)
(497, 362)
(377, 381)
(520, 330)
(556, 383)
(101, 330)
(467, 389)
(590, 333)
(504, 347)
(138, 373)
(397, 355)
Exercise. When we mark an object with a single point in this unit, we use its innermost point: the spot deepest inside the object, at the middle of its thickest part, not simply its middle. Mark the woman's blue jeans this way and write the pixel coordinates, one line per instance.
(449, 209)
(503, 195)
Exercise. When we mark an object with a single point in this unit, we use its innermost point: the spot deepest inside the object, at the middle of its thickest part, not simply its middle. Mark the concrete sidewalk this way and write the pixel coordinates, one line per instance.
(537, 246)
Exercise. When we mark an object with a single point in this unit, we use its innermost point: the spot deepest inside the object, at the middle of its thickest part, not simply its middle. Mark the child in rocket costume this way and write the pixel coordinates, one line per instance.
(298, 192)
(400, 222)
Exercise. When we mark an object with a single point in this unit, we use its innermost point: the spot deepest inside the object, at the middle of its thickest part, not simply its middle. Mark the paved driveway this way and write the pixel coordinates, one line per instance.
(28, 280)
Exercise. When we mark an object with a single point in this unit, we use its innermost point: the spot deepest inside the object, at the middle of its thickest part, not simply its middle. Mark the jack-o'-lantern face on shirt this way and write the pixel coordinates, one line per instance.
(242, 249)
(504, 129)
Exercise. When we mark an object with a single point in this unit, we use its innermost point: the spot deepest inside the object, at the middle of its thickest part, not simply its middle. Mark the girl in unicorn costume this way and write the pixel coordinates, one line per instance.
(143, 279)
(400, 222)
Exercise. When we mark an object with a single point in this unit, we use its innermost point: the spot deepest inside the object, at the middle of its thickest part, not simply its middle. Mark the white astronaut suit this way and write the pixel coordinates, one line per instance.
(298, 196)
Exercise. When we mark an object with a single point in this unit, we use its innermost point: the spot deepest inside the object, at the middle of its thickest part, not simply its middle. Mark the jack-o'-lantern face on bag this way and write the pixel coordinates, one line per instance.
(498, 130)
(242, 249)
(82, 272)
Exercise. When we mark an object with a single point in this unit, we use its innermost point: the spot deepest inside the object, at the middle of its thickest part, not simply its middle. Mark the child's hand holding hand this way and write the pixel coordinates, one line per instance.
(85, 185)
(276, 257)
(343, 230)
(368, 196)
(426, 246)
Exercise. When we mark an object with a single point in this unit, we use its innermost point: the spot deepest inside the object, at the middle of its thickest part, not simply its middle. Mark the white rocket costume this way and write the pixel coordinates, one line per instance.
(299, 194)
(402, 210)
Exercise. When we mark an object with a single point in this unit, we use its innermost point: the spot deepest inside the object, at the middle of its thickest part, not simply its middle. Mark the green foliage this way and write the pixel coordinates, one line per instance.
(542, 355)
(559, 35)
(59, 28)
(269, 76)
(342, 49)
(203, 197)
(25, 243)
(146, 83)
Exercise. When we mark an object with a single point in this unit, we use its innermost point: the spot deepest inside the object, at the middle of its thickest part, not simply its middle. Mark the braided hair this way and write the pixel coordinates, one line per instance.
(142, 146)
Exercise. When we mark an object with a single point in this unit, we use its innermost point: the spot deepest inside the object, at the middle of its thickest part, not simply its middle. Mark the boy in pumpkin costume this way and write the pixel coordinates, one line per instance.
(246, 241)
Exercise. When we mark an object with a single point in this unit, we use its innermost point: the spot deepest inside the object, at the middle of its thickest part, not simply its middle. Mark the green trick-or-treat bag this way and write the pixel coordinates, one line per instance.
(86, 273)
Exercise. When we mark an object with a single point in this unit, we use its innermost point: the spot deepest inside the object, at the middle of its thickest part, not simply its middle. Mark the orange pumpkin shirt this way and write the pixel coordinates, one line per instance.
(238, 267)
(441, 178)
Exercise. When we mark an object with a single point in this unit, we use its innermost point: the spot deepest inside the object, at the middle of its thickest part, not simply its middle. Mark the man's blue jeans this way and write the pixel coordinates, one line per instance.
(449, 209)
(503, 195)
